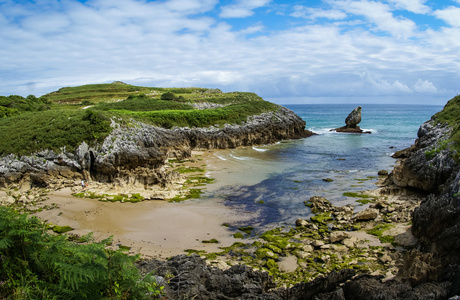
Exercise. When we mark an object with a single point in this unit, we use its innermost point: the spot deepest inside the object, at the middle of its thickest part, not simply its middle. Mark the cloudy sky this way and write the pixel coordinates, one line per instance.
(310, 51)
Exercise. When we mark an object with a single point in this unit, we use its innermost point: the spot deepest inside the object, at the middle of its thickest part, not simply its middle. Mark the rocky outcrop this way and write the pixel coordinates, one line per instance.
(429, 166)
(354, 118)
(189, 277)
(352, 121)
(136, 154)
(425, 167)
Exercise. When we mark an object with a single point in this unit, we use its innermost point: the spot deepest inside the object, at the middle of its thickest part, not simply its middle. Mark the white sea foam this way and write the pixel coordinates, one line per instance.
(322, 130)
(370, 130)
(219, 157)
(240, 157)
(259, 149)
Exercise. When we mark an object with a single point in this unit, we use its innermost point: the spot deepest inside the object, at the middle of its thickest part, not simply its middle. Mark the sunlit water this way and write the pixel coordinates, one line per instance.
(271, 182)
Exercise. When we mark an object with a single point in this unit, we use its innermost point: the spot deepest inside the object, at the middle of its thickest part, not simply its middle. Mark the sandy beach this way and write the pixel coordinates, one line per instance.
(154, 228)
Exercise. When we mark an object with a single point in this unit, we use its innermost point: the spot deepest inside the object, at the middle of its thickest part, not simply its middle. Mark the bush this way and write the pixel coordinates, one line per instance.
(34, 131)
(168, 96)
(38, 265)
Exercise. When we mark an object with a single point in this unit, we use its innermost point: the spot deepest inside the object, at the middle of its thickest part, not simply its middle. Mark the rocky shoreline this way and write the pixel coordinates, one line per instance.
(136, 154)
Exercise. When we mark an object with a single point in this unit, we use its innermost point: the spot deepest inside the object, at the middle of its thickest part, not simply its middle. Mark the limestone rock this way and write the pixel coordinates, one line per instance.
(366, 215)
(317, 243)
(136, 155)
(318, 204)
(352, 121)
(382, 173)
(337, 236)
(354, 118)
(301, 222)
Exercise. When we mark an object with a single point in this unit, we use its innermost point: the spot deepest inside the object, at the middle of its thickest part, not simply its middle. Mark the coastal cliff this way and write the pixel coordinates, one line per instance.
(432, 165)
(136, 153)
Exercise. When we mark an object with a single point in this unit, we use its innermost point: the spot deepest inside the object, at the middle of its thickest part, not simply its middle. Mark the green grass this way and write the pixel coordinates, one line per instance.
(55, 120)
(52, 129)
(451, 115)
(143, 103)
(95, 93)
(233, 114)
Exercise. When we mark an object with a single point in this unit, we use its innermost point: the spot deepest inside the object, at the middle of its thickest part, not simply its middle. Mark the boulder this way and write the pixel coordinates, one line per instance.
(366, 215)
(301, 222)
(337, 236)
(319, 204)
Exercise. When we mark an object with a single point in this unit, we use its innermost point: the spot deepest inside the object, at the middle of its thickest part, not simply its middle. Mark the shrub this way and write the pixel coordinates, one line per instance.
(168, 96)
(39, 265)
(34, 131)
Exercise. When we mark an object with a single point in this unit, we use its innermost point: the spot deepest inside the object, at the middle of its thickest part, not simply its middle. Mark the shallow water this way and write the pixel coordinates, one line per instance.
(271, 182)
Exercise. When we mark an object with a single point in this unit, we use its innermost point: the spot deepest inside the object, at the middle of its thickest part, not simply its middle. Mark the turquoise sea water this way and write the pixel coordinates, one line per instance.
(271, 182)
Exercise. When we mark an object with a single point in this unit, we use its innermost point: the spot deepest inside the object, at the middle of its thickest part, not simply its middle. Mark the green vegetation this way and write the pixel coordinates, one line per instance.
(238, 235)
(52, 129)
(143, 103)
(40, 265)
(73, 115)
(378, 231)
(246, 229)
(185, 169)
(211, 241)
(450, 115)
(61, 229)
(133, 198)
(365, 199)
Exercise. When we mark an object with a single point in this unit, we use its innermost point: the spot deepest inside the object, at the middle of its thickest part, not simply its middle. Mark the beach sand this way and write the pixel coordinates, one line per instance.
(153, 228)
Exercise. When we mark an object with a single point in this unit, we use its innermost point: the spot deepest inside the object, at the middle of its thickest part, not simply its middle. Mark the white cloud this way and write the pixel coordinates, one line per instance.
(301, 11)
(160, 44)
(415, 6)
(450, 15)
(424, 86)
(191, 6)
(379, 14)
(242, 8)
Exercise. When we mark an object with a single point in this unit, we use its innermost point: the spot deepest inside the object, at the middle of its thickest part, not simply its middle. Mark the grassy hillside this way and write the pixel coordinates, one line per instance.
(451, 115)
(72, 115)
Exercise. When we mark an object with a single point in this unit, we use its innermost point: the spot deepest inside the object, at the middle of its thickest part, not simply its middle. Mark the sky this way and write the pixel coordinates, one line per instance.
(288, 52)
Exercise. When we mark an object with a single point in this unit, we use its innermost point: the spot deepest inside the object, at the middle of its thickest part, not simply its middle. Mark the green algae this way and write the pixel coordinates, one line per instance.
(211, 241)
(238, 235)
(246, 229)
(378, 231)
(322, 217)
(61, 229)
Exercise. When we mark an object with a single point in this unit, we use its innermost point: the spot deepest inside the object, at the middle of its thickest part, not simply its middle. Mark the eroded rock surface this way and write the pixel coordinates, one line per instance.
(136, 154)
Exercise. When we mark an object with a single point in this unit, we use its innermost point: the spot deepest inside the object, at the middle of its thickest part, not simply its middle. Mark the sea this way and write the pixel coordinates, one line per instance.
(269, 183)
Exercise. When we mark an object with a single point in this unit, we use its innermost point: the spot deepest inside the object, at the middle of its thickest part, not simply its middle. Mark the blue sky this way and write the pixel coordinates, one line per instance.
(310, 51)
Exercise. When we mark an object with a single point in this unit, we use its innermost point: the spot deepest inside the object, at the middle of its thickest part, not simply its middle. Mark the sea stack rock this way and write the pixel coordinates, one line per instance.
(352, 121)
(353, 118)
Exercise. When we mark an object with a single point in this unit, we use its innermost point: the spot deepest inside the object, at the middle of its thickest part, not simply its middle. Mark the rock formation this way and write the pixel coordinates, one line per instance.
(352, 121)
(354, 118)
(191, 278)
(137, 154)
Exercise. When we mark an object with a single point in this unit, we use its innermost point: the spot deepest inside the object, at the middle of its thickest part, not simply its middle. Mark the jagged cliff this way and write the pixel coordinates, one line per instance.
(432, 166)
(136, 153)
